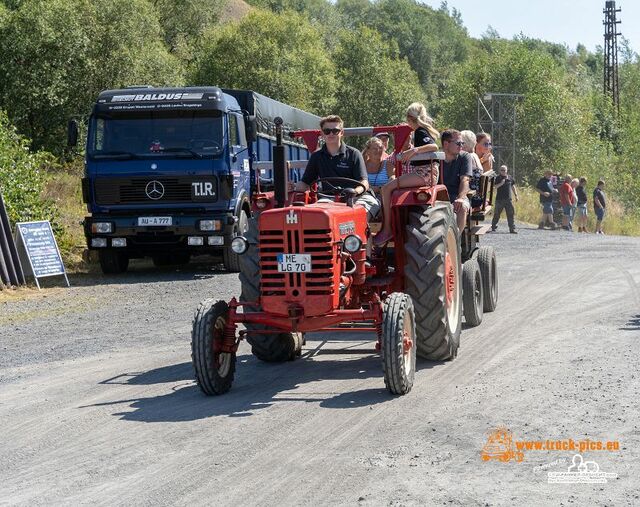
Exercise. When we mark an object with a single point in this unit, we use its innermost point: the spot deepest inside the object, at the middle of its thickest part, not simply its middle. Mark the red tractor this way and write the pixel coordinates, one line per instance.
(304, 268)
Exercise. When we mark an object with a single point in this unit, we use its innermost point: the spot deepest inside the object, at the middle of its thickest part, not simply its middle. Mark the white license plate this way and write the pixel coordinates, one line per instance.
(154, 221)
(294, 263)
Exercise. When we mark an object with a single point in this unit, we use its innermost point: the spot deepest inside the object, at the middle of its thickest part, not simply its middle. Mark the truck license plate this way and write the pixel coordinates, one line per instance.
(294, 263)
(154, 221)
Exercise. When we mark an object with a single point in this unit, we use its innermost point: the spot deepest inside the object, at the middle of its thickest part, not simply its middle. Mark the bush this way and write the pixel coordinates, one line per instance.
(23, 177)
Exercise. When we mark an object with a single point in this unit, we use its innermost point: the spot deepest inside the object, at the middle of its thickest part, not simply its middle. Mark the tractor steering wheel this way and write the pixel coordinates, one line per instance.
(343, 192)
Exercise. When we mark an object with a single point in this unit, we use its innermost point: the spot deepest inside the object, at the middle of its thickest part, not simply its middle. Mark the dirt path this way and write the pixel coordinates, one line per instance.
(98, 403)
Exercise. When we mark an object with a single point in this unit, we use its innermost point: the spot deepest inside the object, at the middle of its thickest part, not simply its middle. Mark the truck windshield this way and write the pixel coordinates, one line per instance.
(189, 134)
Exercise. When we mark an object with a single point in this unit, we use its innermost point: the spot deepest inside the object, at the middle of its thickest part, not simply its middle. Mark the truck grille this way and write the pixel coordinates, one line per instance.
(317, 243)
(133, 190)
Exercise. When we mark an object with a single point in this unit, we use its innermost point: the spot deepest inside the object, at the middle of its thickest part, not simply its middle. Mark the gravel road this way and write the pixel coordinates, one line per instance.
(98, 404)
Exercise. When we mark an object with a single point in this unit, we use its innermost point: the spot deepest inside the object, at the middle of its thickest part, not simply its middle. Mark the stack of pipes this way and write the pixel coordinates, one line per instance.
(11, 273)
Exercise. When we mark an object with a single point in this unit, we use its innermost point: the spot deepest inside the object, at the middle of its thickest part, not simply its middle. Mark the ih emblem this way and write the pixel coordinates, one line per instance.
(291, 217)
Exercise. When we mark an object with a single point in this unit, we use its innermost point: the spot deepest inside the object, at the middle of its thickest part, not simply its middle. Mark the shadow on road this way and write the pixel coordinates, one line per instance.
(257, 385)
(633, 324)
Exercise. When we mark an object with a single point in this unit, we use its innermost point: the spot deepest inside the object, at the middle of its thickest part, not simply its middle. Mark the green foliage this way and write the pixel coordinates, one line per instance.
(57, 55)
(22, 177)
(184, 21)
(279, 55)
(374, 85)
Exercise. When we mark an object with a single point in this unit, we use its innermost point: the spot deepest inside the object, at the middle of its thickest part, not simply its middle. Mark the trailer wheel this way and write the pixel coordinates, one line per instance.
(472, 293)
(214, 369)
(231, 260)
(489, 271)
(433, 279)
(112, 262)
(398, 343)
(269, 347)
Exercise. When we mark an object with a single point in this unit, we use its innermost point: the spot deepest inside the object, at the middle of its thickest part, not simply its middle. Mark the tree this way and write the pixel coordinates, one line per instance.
(279, 55)
(57, 55)
(375, 85)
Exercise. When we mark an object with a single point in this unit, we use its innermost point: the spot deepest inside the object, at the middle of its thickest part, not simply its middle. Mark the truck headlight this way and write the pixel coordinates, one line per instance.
(239, 245)
(102, 227)
(98, 242)
(210, 225)
(352, 243)
(195, 240)
(119, 242)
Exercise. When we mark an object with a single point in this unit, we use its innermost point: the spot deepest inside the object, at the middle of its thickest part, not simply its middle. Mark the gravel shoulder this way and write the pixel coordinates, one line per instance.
(98, 403)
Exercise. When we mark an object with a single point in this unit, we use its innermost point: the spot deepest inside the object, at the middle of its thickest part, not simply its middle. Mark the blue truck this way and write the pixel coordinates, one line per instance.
(169, 171)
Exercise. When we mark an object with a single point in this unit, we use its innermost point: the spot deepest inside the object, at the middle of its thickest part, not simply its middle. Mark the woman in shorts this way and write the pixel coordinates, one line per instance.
(581, 210)
(418, 173)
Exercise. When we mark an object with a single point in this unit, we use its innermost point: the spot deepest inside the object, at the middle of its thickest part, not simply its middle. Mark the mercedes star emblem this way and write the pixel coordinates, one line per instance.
(154, 190)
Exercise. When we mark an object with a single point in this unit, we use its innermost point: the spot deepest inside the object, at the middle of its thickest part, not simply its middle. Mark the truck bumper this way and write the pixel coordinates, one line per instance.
(184, 235)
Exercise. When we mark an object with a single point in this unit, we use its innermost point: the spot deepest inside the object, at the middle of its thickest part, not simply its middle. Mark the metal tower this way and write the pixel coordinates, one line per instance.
(497, 117)
(611, 83)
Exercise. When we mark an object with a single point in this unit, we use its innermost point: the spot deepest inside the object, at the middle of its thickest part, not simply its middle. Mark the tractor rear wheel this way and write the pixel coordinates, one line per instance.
(472, 293)
(214, 369)
(433, 279)
(398, 343)
(269, 347)
(489, 271)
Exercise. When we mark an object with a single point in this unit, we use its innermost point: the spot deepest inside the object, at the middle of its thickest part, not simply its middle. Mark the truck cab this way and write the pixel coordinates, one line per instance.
(169, 171)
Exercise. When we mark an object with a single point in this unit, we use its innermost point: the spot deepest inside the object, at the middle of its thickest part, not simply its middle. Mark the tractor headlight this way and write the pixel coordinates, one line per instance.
(352, 243)
(239, 245)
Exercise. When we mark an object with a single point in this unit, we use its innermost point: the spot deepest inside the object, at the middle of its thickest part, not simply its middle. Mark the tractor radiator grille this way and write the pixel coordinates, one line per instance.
(316, 242)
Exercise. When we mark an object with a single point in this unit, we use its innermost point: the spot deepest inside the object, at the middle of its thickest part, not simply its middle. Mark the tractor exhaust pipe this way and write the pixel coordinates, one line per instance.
(280, 175)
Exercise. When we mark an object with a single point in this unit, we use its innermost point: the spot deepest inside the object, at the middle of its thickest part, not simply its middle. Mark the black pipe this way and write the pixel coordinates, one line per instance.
(8, 274)
(280, 175)
(13, 251)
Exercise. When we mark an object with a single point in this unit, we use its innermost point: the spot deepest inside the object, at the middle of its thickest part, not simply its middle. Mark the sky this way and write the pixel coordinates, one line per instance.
(561, 21)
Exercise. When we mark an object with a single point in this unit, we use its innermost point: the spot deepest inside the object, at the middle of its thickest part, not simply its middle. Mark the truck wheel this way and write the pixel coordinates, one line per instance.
(112, 262)
(231, 260)
(214, 369)
(489, 271)
(269, 347)
(398, 343)
(472, 293)
(178, 259)
(433, 279)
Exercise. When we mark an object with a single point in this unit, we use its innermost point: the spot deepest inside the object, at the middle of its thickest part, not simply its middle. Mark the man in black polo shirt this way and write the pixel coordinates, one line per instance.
(457, 169)
(336, 159)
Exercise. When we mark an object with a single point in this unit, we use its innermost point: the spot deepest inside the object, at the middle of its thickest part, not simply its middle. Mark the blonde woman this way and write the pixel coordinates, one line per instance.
(418, 173)
(380, 169)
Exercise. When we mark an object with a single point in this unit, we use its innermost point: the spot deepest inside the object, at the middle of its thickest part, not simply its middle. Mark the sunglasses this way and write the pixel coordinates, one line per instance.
(326, 132)
(457, 143)
(487, 144)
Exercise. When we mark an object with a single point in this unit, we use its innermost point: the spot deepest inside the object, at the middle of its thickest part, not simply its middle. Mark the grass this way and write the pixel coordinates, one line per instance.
(64, 188)
(616, 221)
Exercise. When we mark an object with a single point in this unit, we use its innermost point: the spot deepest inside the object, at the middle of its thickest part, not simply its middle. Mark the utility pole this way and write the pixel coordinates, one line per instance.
(611, 82)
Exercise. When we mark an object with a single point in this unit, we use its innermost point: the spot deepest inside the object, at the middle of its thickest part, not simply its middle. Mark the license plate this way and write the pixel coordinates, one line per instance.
(154, 221)
(294, 263)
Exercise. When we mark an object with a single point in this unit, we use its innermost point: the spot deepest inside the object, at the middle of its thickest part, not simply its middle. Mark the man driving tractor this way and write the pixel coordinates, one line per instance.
(337, 160)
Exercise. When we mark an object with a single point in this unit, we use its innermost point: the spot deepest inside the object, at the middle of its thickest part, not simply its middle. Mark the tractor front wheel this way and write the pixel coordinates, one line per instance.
(214, 369)
(433, 279)
(398, 343)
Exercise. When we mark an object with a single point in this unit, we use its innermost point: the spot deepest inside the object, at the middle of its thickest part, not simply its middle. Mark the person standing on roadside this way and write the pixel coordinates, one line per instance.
(546, 190)
(505, 187)
(582, 205)
(566, 201)
(599, 205)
